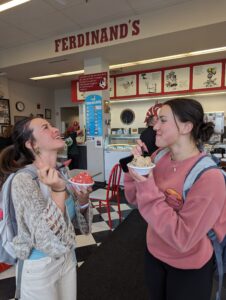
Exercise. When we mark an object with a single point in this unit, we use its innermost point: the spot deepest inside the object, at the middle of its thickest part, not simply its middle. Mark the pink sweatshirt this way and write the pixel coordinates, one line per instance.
(177, 231)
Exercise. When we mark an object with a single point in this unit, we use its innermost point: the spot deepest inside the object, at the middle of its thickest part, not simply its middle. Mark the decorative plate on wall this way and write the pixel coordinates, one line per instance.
(127, 116)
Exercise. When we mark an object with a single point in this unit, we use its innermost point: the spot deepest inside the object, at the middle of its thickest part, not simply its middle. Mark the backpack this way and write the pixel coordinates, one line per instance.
(8, 224)
(203, 164)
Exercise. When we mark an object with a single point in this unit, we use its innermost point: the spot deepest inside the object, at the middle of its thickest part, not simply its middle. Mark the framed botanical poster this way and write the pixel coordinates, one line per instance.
(177, 79)
(4, 112)
(207, 76)
(48, 113)
(150, 83)
(126, 85)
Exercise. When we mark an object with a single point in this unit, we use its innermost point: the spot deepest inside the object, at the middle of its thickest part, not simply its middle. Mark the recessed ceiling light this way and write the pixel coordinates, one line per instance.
(11, 4)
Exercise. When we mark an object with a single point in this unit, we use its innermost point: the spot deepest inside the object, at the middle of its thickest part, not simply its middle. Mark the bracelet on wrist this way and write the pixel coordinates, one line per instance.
(58, 191)
(84, 206)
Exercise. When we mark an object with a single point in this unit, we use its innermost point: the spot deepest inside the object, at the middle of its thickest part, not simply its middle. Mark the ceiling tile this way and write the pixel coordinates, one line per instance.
(87, 14)
(142, 6)
(10, 36)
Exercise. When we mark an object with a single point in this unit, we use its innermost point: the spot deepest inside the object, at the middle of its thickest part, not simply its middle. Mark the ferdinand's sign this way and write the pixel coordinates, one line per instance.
(98, 36)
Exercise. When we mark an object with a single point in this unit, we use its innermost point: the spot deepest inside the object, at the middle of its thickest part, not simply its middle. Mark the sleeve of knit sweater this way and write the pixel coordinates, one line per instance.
(41, 224)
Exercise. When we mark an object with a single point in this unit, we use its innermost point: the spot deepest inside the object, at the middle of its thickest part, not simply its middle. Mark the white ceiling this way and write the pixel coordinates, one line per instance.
(41, 19)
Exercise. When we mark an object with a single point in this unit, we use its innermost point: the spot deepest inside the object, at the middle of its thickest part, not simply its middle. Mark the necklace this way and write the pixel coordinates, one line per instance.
(174, 165)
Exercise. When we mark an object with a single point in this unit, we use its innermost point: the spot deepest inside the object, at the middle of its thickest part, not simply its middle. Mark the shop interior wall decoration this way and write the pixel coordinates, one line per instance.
(127, 116)
(47, 113)
(4, 112)
(39, 115)
(20, 106)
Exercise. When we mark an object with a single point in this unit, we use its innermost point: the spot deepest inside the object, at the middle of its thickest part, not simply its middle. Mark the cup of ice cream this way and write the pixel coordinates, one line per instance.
(142, 165)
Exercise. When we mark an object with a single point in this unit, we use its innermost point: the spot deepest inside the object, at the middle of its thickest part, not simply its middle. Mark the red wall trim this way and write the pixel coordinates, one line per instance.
(162, 93)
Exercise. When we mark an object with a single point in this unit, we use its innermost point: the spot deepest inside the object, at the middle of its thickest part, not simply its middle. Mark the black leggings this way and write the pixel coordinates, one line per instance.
(167, 283)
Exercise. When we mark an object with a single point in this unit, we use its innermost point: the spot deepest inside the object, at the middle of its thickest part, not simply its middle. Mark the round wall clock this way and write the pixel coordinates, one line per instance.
(127, 116)
(20, 106)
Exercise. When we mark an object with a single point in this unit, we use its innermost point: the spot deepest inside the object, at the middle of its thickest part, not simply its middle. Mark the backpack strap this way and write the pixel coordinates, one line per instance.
(203, 164)
(33, 172)
(160, 154)
(219, 261)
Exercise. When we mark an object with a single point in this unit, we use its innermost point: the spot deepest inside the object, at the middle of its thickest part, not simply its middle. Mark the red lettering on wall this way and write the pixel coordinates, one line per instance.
(87, 39)
(104, 35)
(95, 37)
(57, 45)
(64, 44)
(113, 32)
(81, 40)
(123, 30)
(136, 28)
(72, 42)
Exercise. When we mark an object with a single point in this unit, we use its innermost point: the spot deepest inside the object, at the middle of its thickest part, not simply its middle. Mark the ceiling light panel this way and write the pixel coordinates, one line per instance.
(11, 4)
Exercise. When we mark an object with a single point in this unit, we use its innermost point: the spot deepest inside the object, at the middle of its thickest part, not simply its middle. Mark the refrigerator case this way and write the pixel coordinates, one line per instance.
(113, 153)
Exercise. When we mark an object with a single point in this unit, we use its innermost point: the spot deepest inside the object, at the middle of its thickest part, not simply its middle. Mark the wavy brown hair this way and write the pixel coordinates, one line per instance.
(16, 156)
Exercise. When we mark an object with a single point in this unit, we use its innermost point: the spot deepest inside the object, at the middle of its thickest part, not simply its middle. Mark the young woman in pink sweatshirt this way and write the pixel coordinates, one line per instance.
(179, 258)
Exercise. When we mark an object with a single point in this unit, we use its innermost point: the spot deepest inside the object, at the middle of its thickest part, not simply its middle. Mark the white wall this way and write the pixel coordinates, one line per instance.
(31, 96)
(63, 99)
(209, 103)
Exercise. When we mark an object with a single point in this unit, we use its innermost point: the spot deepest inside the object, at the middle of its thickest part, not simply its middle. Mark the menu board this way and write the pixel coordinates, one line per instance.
(150, 83)
(207, 76)
(126, 85)
(94, 123)
(93, 82)
(176, 79)
(80, 95)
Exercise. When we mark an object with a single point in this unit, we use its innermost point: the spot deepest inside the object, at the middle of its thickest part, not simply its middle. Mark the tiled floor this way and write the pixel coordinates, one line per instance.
(85, 244)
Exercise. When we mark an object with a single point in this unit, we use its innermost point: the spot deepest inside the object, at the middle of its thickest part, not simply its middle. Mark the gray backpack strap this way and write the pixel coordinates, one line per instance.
(160, 154)
(202, 165)
(20, 265)
(31, 170)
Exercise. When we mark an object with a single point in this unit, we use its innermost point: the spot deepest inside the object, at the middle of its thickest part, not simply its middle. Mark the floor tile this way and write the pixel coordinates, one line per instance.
(114, 215)
(84, 240)
(8, 273)
(82, 253)
(99, 226)
(101, 236)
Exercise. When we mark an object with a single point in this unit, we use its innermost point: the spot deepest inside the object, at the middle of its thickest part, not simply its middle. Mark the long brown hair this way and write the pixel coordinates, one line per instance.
(16, 156)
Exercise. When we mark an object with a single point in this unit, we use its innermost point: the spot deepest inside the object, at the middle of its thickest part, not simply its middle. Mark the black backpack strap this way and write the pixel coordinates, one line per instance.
(219, 261)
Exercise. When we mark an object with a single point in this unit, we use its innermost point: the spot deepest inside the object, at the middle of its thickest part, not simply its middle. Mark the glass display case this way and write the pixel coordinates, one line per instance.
(117, 147)
(126, 139)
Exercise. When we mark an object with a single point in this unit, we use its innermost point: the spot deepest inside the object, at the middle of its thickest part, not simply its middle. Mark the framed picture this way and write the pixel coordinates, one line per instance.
(48, 113)
(4, 127)
(40, 115)
(207, 76)
(4, 112)
(18, 118)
